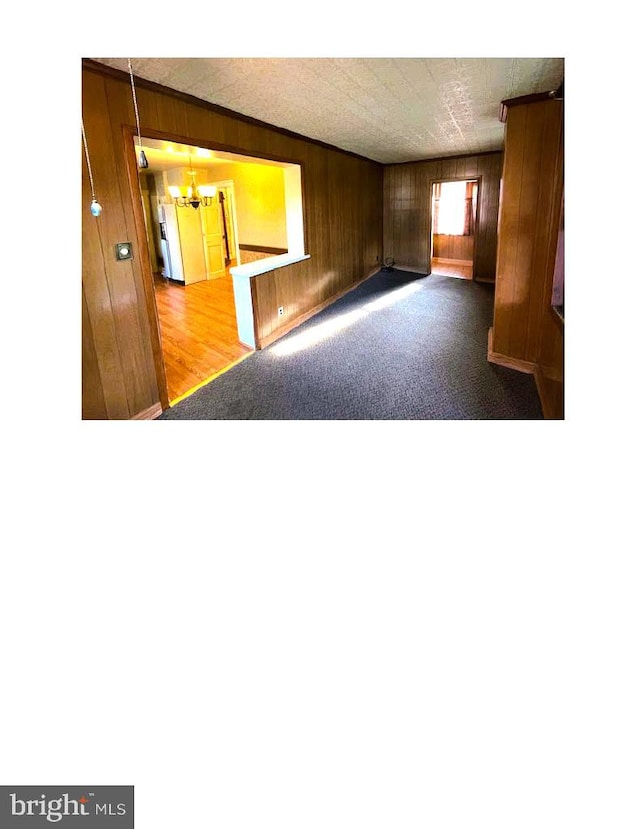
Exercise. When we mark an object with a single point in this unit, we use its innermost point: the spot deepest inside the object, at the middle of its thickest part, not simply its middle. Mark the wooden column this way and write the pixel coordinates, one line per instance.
(528, 224)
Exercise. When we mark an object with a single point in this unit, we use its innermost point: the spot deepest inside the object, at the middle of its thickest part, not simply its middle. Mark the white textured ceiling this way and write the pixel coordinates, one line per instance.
(387, 109)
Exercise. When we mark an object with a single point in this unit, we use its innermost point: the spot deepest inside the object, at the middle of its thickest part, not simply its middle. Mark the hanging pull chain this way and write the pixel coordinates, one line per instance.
(142, 159)
(95, 208)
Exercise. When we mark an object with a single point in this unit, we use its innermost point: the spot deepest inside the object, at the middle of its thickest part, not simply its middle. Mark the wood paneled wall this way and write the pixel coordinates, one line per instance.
(121, 342)
(453, 247)
(344, 236)
(526, 330)
(119, 379)
(407, 209)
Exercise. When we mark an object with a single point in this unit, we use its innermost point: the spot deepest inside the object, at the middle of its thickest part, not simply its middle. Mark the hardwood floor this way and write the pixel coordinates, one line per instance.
(198, 328)
(448, 268)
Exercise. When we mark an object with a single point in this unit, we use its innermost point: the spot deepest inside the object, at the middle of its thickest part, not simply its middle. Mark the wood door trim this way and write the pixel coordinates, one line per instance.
(208, 144)
(534, 98)
(128, 134)
(476, 177)
(443, 158)
(232, 148)
(149, 414)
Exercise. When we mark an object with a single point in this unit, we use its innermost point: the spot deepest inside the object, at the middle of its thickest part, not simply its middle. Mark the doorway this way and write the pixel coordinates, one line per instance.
(219, 231)
(251, 210)
(191, 256)
(454, 207)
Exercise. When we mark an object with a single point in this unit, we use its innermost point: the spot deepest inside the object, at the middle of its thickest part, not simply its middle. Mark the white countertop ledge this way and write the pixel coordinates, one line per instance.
(269, 264)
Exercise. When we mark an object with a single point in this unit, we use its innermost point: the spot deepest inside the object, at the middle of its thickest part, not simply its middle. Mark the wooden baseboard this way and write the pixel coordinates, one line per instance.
(539, 375)
(440, 260)
(296, 321)
(149, 414)
(484, 281)
(550, 409)
(544, 402)
(411, 269)
(525, 366)
(556, 375)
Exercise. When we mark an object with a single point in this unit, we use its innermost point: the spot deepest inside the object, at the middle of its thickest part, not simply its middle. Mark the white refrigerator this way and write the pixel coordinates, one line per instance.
(170, 243)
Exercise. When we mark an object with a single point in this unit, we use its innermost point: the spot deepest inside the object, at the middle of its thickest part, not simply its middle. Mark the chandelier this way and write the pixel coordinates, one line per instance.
(195, 194)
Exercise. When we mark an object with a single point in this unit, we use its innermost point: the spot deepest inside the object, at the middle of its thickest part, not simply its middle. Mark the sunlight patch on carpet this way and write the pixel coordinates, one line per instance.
(318, 333)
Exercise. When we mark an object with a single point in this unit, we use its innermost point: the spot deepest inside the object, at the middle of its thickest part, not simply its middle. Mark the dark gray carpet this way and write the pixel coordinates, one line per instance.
(417, 354)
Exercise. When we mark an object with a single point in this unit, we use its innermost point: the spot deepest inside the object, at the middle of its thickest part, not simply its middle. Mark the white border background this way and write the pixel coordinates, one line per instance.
(422, 624)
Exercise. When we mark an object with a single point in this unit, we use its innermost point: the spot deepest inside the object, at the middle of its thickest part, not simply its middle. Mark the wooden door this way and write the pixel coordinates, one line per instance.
(193, 264)
(212, 234)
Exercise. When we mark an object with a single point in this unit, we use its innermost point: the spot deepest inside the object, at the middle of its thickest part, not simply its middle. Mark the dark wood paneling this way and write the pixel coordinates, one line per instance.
(344, 229)
(262, 292)
(108, 284)
(343, 226)
(93, 405)
(407, 209)
(121, 111)
(526, 329)
(343, 249)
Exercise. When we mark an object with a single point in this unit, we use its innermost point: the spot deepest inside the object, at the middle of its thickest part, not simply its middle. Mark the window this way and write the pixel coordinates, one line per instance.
(454, 206)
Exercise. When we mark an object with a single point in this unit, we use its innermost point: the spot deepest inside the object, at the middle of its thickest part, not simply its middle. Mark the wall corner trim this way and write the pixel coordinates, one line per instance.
(149, 414)
(534, 98)
(525, 366)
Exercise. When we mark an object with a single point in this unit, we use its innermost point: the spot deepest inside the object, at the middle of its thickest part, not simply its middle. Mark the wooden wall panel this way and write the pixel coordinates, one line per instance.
(101, 325)
(129, 350)
(527, 333)
(343, 250)
(407, 209)
(147, 106)
(529, 221)
(453, 247)
(121, 111)
(342, 197)
(93, 403)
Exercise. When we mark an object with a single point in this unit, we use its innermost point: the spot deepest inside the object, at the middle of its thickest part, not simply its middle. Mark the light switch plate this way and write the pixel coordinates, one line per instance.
(123, 250)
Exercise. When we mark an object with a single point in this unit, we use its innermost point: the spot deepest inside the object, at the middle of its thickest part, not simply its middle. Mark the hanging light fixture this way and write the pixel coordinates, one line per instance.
(142, 158)
(195, 194)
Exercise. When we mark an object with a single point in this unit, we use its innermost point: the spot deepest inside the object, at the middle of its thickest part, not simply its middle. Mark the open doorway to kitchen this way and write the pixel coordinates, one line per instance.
(206, 211)
(454, 207)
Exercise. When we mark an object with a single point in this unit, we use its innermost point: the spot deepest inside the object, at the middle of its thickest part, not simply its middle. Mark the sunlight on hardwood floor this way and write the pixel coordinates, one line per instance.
(198, 328)
(449, 268)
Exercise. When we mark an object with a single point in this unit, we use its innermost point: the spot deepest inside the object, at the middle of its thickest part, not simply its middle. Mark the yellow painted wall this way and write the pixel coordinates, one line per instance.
(260, 203)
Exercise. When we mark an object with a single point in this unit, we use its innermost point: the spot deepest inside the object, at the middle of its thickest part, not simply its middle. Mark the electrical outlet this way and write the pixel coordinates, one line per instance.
(281, 311)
